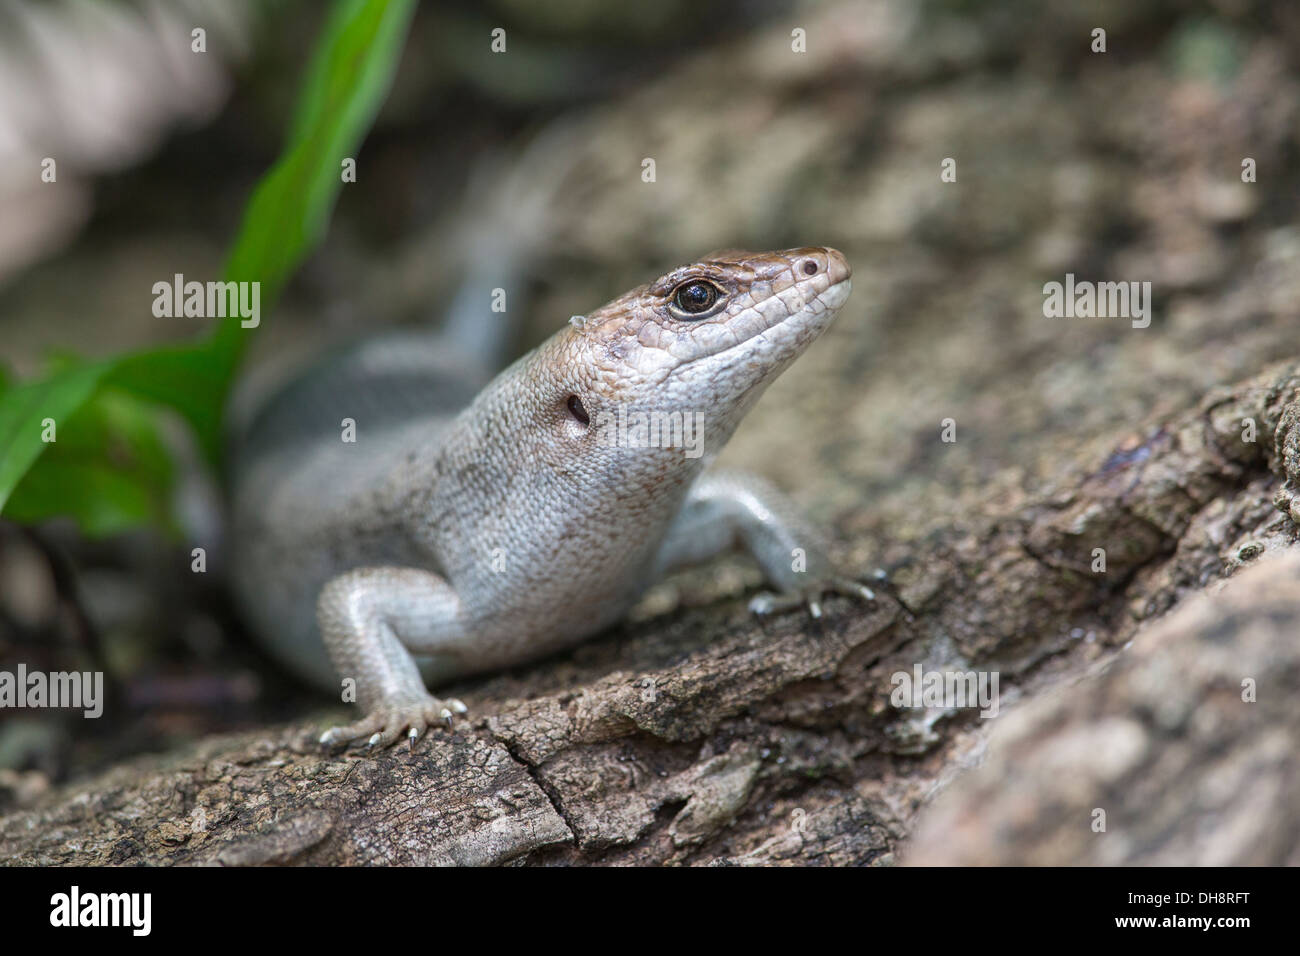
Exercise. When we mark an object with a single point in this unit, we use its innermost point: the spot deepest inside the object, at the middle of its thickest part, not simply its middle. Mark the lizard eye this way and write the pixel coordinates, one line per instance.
(694, 299)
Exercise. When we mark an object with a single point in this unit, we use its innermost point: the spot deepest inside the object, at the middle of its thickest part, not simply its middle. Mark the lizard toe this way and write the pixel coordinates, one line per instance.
(384, 727)
(810, 597)
(394, 722)
(350, 732)
(851, 588)
(443, 711)
(415, 732)
(770, 603)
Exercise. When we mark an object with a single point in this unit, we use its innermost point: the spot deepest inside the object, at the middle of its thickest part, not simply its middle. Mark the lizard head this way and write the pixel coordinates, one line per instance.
(703, 339)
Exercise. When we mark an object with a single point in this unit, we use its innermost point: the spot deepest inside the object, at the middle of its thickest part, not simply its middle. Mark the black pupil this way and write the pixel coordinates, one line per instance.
(696, 297)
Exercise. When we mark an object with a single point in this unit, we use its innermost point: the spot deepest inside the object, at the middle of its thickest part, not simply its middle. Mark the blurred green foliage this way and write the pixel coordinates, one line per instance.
(108, 469)
(1205, 49)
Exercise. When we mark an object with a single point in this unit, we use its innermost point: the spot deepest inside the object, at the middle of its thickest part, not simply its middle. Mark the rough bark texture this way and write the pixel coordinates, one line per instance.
(706, 737)
(698, 735)
(1180, 752)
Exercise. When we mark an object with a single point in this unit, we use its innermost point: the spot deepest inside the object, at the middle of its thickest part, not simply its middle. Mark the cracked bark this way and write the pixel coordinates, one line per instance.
(703, 736)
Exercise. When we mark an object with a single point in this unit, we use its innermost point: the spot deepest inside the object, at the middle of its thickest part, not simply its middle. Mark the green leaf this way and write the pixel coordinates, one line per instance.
(185, 378)
(106, 467)
(109, 470)
(347, 82)
(24, 413)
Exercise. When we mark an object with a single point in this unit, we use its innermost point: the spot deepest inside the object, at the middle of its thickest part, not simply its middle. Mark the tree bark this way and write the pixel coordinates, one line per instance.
(698, 735)
(711, 737)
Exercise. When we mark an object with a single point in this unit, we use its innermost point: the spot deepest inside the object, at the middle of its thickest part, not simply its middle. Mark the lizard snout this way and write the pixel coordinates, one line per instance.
(837, 265)
(820, 259)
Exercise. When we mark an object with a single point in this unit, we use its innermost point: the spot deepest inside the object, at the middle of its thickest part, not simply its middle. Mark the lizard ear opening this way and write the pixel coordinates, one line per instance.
(578, 410)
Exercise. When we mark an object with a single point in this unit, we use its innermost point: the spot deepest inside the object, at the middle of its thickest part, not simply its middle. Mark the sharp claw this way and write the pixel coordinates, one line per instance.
(411, 737)
(445, 714)
(815, 608)
(866, 592)
(457, 706)
(761, 604)
(374, 740)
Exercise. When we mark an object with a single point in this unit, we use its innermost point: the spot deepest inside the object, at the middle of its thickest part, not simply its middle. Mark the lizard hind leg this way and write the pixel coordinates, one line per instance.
(373, 620)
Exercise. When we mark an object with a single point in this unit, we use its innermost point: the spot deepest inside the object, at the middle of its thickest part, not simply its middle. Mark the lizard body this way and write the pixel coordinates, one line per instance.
(479, 523)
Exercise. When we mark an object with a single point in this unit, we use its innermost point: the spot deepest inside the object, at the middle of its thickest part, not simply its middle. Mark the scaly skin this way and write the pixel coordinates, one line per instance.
(531, 520)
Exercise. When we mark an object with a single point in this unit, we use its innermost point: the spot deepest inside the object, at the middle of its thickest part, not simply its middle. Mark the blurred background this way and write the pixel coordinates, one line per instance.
(523, 170)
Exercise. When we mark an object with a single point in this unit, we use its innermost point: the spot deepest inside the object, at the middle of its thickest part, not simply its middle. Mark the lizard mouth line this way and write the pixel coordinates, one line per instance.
(836, 294)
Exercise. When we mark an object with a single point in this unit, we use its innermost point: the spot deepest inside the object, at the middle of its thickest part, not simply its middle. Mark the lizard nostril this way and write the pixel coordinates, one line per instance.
(578, 410)
(810, 267)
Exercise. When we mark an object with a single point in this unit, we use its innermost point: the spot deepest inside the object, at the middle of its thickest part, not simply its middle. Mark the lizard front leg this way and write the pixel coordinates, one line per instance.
(727, 508)
(372, 619)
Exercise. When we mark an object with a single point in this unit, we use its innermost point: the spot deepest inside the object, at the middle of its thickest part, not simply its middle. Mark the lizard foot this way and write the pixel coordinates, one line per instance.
(810, 596)
(384, 724)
